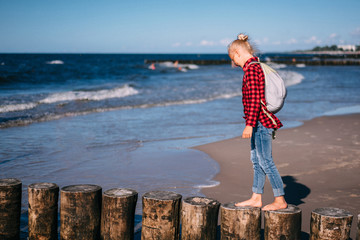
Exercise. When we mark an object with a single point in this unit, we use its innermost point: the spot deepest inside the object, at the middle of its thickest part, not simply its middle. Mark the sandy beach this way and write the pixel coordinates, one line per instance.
(318, 161)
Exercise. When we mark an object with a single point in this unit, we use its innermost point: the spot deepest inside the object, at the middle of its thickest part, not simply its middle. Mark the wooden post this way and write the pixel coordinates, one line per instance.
(240, 222)
(330, 223)
(284, 224)
(80, 207)
(199, 218)
(118, 214)
(358, 228)
(160, 218)
(43, 211)
(10, 208)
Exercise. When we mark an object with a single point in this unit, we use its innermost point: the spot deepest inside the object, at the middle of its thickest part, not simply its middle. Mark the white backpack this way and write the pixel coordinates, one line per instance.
(275, 91)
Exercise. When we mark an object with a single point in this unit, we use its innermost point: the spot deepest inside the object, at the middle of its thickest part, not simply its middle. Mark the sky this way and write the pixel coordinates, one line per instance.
(171, 26)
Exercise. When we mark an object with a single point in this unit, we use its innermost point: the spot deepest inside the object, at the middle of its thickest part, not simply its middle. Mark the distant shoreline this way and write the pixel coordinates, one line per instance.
(317, 58)
(328, 52)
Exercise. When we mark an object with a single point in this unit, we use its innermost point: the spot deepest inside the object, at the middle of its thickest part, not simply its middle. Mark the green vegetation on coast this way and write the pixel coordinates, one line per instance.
(332, 48)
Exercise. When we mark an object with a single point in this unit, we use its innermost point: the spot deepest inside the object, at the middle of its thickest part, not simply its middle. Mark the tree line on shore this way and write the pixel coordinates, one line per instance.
(331, 48)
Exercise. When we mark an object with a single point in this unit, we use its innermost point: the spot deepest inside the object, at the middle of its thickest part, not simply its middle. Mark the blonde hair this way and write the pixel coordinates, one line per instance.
(241, 41)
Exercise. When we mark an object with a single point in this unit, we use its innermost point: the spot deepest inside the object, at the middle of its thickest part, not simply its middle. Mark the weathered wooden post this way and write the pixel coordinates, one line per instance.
(43, 211)
(240, 222)
(199, 218)
(161, 218)
(118, 214)
(330, 223)
(358, 228)
(283, 224)
(10, 208)
(80, 207)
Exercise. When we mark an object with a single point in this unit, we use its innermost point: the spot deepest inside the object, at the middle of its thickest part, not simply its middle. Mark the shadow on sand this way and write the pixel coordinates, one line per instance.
(294, 191)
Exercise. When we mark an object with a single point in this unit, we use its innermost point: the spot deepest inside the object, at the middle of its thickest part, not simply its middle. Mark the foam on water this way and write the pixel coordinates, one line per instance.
(211, 184)
(166, 64)
(169, 64)
(300, 65)
(55, 62)
(290, 77)
(191, 101)
(189, 66)
(17, 107)
(120, 92)
(276, 65)
(52, 116)
(98, 95)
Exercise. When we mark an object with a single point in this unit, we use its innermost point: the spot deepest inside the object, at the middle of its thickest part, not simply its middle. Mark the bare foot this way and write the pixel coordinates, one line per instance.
(279, 203)
(254, 201)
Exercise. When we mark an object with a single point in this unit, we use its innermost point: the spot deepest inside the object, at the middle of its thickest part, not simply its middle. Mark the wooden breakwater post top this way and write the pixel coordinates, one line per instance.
(10, 208)
(199, 218)
(43, 211)
(330, 223)
(240, 222)
(283, 224)
(80, 207)
(118, 214)
(160, 219)
(358, 228)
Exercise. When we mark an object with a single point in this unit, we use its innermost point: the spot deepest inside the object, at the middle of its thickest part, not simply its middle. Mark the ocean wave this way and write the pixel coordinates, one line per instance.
(120, 92)
(55, 62)
(17, 107)
(300, 65)
(290, 77)
(210, 185)
(276, 65)
(170, 64)
(98, 95)
(189, 66)
(52, 116)
(188, 101)
(166, 64)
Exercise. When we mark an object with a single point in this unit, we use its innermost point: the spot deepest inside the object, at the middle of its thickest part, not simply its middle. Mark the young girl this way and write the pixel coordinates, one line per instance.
(260, 125)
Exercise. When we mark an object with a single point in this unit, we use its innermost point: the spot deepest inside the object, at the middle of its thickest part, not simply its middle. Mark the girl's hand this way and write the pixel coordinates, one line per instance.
(247, 133)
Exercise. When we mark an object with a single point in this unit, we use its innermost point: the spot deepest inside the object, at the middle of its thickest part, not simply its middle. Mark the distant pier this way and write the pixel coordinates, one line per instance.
(307, 58)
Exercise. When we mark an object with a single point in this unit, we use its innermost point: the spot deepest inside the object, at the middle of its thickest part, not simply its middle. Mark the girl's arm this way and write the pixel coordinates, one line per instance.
(247, 133)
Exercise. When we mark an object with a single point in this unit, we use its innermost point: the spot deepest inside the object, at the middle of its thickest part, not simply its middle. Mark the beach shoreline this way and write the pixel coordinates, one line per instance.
(319, 162)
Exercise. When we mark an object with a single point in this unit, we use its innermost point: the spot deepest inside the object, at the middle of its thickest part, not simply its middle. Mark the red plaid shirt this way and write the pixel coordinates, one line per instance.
(253, 91)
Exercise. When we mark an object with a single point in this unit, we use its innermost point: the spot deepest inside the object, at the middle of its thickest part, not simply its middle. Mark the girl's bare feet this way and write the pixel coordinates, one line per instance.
(279, 203)
(254, 201)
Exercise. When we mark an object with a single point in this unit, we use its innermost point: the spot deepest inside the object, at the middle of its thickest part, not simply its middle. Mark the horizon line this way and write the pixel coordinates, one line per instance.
(134, 53)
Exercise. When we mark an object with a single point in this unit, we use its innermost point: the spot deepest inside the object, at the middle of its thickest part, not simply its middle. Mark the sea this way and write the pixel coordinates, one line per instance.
(115, 120)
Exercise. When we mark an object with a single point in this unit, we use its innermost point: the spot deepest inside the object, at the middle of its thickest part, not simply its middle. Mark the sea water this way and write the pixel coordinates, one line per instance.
(108, 119)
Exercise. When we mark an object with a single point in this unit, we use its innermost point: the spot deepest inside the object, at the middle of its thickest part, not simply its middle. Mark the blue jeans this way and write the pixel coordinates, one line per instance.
(261, 157)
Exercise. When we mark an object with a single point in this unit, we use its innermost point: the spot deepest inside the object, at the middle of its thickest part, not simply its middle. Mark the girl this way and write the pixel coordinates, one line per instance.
(260, 125)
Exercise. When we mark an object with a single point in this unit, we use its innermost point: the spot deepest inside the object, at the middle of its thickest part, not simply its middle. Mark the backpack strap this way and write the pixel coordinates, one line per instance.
(250, 64)
(263, 105)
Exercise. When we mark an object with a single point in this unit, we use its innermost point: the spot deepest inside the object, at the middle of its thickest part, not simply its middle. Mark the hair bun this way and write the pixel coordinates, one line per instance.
(242, 37)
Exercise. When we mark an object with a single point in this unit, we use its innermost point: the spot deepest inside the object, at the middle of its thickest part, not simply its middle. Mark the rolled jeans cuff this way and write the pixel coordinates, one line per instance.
(278, 192)
(257, 190)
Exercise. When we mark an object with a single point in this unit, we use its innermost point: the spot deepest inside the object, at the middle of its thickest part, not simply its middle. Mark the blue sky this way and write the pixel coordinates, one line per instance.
(109, 26)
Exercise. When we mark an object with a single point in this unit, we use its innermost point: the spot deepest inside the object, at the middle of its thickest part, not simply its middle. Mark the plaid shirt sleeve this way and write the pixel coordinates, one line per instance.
(252, 94)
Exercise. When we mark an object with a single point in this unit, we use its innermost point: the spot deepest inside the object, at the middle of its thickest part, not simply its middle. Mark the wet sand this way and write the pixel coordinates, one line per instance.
(318, 161)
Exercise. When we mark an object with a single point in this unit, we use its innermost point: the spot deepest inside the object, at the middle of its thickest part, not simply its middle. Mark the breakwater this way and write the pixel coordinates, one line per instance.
(88, 213)
(321, 59)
